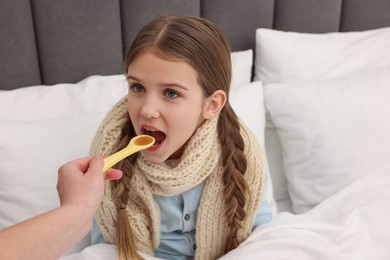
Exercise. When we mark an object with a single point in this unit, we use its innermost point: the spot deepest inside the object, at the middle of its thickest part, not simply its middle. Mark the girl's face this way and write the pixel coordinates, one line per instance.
(166, 102)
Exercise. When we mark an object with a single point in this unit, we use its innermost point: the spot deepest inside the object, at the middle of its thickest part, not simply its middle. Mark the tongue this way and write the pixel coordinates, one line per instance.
(158, 135)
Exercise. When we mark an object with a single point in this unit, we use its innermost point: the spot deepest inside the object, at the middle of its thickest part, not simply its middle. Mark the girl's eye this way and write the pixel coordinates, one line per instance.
(171, 93)
(137, 88)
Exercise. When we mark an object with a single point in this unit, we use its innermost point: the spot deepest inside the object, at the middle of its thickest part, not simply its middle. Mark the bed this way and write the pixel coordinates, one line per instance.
(311, 78)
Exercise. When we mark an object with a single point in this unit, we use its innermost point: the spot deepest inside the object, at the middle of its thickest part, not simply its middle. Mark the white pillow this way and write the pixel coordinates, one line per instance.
(248, 103)
(41, 128)
(332, 132)
(284, 57)
(31, 153)
(91, 95)
(242, 63)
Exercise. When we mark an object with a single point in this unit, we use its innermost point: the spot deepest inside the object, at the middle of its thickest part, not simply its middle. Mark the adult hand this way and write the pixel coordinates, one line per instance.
(81, 183)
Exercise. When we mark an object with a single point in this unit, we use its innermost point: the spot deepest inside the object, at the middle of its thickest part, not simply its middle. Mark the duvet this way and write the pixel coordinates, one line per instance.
(352, 224)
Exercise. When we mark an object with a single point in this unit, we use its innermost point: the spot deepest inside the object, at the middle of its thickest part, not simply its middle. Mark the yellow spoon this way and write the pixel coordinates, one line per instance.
(136, 144)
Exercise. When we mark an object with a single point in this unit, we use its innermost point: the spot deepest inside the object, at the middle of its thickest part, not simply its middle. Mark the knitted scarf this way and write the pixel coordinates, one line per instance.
(199, 162)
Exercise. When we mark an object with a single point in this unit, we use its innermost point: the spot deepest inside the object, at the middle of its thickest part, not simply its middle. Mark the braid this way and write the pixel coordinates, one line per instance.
(126, 245)
(234, 167)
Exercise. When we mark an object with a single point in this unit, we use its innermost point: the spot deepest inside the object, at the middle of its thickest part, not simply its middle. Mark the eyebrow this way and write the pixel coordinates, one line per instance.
(163, 84)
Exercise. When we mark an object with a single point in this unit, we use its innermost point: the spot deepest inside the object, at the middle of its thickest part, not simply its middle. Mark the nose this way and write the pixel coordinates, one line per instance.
(149, 107)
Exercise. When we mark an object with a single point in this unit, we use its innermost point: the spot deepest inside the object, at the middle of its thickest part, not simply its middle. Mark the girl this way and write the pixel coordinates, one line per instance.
(197, 191)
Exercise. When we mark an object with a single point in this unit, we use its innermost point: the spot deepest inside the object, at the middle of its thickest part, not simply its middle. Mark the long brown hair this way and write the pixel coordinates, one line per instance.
(204, 46)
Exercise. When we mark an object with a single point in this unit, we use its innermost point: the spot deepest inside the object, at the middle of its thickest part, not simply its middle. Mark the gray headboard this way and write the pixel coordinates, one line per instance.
(64, 41)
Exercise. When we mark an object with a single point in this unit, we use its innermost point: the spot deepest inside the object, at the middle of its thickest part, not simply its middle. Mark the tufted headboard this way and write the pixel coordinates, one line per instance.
(57, 41)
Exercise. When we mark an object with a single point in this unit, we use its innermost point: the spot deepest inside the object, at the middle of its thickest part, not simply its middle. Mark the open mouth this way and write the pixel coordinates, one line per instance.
(157, 135)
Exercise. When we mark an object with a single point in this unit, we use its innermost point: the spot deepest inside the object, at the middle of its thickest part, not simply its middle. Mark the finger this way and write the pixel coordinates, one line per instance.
(96, 165)
(81, 164)
(113, 174)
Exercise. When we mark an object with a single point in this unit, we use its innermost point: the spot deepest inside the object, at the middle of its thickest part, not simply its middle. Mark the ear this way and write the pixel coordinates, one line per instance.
(214, 104)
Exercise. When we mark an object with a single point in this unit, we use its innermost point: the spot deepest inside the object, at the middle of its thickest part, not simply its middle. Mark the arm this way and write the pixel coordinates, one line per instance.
(47, 236)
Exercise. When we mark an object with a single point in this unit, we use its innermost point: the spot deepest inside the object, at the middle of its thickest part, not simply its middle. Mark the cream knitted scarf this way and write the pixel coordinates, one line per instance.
(199, 162)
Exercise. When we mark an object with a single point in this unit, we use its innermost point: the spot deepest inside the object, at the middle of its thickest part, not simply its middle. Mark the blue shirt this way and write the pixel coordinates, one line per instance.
(178, 221)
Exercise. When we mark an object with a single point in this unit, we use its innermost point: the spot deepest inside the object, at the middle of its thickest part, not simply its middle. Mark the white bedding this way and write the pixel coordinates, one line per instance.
(352, 224)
